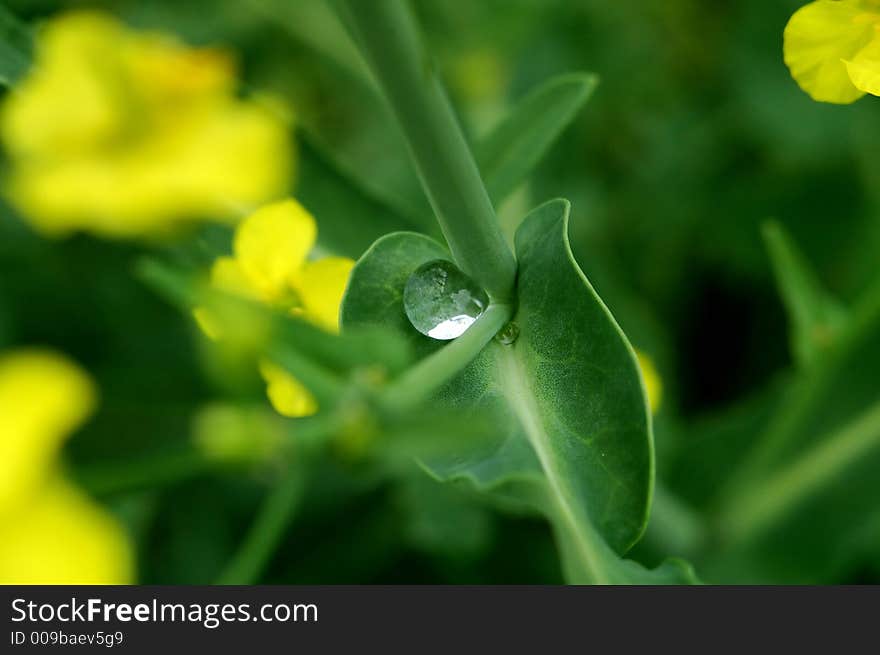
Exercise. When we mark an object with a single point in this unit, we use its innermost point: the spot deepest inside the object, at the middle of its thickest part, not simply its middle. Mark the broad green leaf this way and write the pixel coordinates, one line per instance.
(566, 396)
(815, 318)
(15, 47)
(375, 288)
(509, 152)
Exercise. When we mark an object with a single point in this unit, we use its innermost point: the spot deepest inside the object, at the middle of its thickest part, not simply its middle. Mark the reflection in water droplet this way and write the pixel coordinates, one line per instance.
(441, 301)
(508, 334)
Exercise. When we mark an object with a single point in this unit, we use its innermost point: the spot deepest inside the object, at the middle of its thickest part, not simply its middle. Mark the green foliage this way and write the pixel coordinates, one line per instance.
(15, 47)
(815, 318)
(566, 396)
(476, 461)
(509, 153)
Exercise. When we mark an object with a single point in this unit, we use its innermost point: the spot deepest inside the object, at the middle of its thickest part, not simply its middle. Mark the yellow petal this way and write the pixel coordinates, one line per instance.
(127, 134)
(651, 378)
(817, 40)
(62, 537)
(235, 157)
(43, 398)
(320, 286)
(172, 77)
(233, 433)
(864, 68)
(228, 275)
(271, 245)
(287, 395)
(207, 323)
(71, 99)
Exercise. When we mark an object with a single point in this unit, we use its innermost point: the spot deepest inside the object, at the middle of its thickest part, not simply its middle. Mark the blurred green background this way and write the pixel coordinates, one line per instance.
(695, 136)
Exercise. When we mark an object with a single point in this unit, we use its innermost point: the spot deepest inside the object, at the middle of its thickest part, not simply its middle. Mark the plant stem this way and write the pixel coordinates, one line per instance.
(422, 380)
(389, 40)
(675, 527)
(262, 539)
(794, 411)
(144, 472)
(767, 501)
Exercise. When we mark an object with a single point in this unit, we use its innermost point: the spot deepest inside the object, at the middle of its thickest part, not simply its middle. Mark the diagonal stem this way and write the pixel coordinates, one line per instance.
(422, 380)
(268, 528)
(389, 40)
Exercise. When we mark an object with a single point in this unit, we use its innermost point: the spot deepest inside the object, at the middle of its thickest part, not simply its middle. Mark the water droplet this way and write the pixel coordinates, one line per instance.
(508, 334)
(442, 302)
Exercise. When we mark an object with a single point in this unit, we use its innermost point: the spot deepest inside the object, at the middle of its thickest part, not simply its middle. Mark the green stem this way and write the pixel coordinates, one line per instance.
(266, 532)
(795, 410)
(675, 527)
(389, 40)
(143, 472)
(765, 502)
(420, 381)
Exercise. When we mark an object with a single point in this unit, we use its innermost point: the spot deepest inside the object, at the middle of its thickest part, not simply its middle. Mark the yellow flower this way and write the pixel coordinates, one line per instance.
(269, 264)
(232, 433)
(50, 532)
(125, 134)
(480, 75)
(651, 378)
(832, 48)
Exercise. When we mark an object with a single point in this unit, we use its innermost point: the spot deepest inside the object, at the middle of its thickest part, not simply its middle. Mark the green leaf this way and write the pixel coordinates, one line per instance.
(566, 396)
(572, 381)
(375, 289)
(16, 44)
(815, 318)
(510, 152)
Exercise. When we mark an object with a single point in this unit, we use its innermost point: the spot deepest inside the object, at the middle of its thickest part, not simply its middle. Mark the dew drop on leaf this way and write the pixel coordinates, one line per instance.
(508, 334)
(441, 301)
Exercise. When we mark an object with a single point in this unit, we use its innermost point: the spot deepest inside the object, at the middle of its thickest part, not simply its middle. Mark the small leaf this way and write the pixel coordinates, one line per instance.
(16, 45)
(510, 152)
(566, 395)
(815, 318)
(375, 289)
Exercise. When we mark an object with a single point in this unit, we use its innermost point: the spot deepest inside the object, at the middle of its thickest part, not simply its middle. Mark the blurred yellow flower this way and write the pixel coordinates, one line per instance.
(124, 133)
(50, 532)
(832, 48)
(653, 384)
(480, 75)
(269, 264)
(233, 433)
